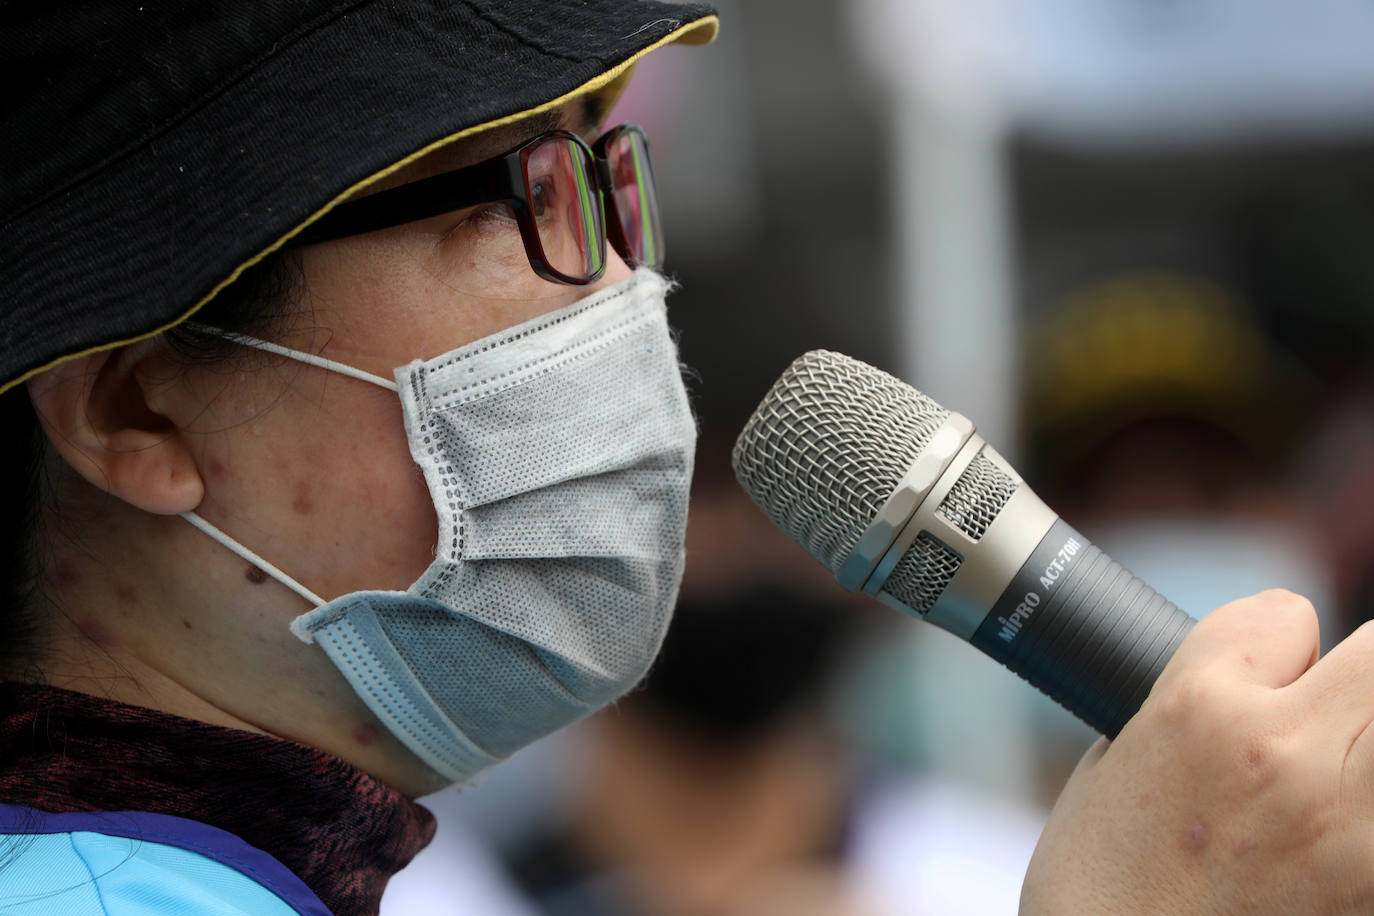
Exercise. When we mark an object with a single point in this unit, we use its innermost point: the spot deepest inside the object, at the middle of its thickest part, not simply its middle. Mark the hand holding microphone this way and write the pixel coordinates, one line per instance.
(1245, 783)
(901, 499)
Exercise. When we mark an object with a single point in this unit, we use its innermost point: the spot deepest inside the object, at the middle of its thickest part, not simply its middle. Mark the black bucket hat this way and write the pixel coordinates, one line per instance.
(153, 149)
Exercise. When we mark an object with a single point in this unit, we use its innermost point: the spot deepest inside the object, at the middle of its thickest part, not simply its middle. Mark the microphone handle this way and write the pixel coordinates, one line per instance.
(1083, 630)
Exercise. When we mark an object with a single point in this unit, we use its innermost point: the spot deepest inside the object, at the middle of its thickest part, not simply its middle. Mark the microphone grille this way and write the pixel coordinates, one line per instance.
(827, 446)
(978, 496)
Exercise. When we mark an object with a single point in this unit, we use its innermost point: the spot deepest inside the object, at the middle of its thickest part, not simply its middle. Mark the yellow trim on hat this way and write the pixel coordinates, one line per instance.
(611, 84)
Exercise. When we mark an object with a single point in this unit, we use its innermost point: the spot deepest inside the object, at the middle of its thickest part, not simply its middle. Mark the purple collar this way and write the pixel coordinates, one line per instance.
(343, 833)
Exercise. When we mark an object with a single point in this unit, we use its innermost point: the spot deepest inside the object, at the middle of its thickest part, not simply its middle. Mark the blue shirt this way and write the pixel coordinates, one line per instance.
(130, 863)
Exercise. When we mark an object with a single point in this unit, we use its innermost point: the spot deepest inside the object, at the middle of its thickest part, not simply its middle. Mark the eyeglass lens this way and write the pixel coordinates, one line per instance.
(566, 208)
(635, 200)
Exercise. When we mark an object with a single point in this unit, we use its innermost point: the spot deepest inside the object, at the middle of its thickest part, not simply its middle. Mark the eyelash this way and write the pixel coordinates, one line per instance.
(492, 217)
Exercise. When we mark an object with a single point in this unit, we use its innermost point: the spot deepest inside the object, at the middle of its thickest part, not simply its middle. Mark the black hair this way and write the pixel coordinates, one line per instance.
(20, 500)
(257, 302)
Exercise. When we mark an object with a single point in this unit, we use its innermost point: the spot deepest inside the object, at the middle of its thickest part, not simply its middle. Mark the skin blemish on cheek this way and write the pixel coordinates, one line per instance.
(1196, 836)
(126, 594)
(365, 734)
(255, 575)
(302, 504)
(187, 624)
(215, 468)
(95, 631)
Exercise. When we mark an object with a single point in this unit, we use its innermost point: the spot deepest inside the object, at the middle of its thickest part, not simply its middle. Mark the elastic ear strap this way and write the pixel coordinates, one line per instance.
(298, 355)
(253, 558)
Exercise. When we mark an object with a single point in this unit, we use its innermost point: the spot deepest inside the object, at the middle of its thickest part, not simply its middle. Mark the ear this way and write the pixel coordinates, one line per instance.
(102, 416)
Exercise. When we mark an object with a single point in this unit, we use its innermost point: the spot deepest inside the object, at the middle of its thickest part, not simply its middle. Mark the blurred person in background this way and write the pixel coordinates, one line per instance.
(1160, 414)
(718, 787)
(1150, 411)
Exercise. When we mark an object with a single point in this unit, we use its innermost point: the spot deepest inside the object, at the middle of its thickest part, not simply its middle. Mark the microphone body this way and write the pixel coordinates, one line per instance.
(903, 500)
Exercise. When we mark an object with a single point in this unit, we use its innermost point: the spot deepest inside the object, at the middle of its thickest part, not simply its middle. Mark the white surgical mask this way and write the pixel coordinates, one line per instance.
(559, 456)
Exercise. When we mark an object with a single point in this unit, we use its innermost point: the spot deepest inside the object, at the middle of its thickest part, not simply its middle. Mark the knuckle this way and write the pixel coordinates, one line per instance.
(1271, 612)
(1280, 601)
(1266, 756)
(1184, 699)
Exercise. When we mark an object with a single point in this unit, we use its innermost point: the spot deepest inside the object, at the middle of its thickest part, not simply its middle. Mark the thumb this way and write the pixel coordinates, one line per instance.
(1268, 640)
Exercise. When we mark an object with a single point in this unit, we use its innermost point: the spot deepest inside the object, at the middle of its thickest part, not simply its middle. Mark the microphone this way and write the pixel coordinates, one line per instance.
(901, 499)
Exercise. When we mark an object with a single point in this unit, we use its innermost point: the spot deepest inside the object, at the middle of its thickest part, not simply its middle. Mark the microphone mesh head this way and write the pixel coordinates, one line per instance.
(827, 446)
(977, 497)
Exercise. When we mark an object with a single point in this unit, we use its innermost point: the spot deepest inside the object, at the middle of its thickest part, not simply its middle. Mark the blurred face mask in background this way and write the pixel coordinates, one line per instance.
(558, 454)
(1204, 562)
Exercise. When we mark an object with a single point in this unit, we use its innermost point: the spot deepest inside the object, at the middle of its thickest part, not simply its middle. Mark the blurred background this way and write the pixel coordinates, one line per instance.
(1133, 241)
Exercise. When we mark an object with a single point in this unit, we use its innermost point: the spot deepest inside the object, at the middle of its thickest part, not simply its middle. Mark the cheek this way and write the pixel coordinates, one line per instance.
(323, 485)
(365, 503)
(381, 489)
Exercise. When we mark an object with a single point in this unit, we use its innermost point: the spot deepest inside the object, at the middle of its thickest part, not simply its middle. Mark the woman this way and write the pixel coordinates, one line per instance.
(233, 649)
(234, 645)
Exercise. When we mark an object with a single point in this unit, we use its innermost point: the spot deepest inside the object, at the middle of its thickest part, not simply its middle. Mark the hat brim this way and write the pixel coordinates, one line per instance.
(147, 240)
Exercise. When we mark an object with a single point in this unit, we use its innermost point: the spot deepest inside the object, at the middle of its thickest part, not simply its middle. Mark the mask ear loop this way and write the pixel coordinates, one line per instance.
(299, 356)
(253, 558)
(302, 357)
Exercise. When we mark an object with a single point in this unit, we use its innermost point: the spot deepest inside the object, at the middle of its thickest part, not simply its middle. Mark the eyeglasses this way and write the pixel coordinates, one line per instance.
(557, 186)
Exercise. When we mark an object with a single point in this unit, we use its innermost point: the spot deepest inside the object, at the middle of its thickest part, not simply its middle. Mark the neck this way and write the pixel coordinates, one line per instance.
(145, 609)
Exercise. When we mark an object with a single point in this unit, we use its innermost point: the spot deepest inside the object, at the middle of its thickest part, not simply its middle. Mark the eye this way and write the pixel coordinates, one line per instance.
(497, 211)
(482, 220)
(543, 197)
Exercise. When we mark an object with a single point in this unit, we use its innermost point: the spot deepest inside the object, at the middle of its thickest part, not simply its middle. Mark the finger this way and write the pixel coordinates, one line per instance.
(1268, 639)
(1338, 691)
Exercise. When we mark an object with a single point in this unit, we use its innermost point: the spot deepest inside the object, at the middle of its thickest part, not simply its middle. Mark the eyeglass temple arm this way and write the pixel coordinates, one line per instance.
(486, 182)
